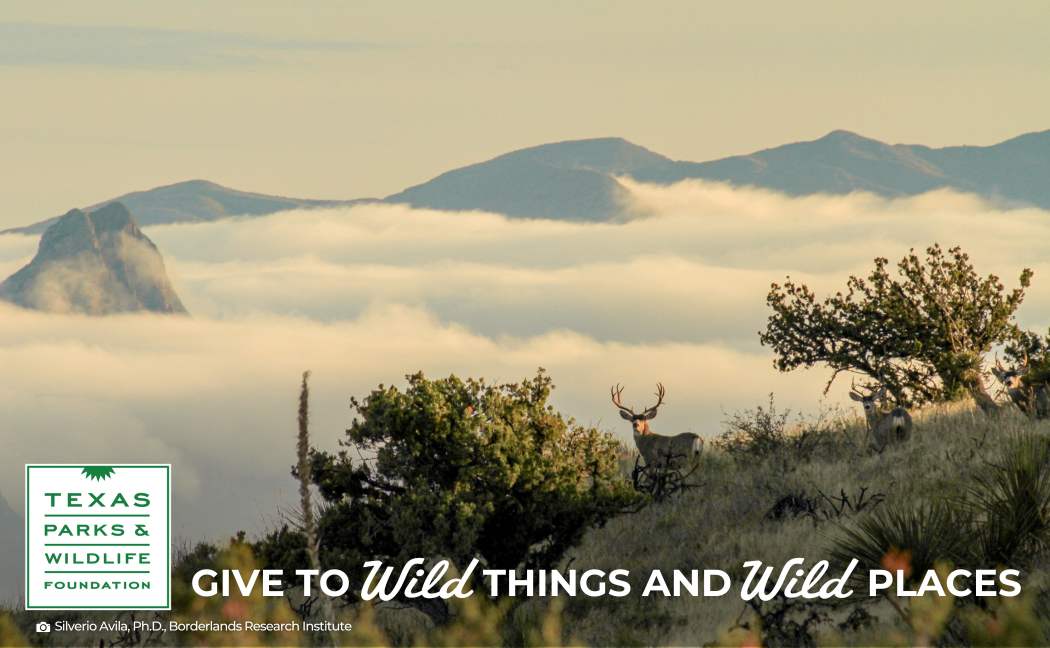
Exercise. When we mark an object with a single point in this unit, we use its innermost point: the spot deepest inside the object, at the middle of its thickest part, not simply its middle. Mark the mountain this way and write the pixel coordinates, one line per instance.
(195, 201)
(580, 180)
(96, 263)
(1017, 170)
(566, 181)
(12, 553)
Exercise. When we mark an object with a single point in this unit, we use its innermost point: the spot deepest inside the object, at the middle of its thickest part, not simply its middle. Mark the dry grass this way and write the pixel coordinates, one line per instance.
(725, 522)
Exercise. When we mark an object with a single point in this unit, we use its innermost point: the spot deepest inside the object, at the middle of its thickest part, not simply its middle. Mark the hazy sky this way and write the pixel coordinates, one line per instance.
(345, 100)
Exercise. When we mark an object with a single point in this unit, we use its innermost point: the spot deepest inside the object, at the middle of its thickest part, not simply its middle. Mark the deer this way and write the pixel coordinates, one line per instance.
(657, 449)
(887, 427)
(1024, 396)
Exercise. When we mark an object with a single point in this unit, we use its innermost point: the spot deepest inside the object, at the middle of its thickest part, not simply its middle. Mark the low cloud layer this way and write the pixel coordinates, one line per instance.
(365, 295)
(217, 398)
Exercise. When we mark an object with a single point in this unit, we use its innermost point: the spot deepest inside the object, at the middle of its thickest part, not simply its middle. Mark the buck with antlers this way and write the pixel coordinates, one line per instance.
(656, 448)
(1031, 399)
(886, 427)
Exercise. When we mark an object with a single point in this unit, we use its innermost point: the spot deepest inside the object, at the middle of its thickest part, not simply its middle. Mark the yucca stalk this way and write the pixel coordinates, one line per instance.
(309, 526)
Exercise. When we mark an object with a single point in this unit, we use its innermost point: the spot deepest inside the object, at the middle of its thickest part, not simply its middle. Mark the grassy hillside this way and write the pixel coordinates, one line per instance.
(733, 517)
(774, 487)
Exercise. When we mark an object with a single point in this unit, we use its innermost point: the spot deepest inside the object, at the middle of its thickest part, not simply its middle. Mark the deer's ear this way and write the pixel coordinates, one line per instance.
(882, 393)
(650, 416)
(1023, 370)
(856, 397)
(626, 415)
(998, 374)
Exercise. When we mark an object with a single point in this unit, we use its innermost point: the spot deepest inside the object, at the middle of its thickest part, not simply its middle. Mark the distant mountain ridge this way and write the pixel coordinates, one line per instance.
(1016, 170)
(94, 263)
(566, 181)
(194, 201)
(580, 180)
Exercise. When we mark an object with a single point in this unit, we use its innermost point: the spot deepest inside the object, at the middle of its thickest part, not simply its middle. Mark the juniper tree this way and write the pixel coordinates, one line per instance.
(458, 470)
(923, 333)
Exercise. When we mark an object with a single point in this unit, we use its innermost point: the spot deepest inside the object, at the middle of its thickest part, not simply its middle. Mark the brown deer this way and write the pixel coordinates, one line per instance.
(886, 427)
(1031, 399)
(656, 449)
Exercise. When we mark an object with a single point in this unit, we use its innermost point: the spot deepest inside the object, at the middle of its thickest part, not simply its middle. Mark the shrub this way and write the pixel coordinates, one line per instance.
(461, 470)
(910, 538)
(1011, 504)
(663, 480)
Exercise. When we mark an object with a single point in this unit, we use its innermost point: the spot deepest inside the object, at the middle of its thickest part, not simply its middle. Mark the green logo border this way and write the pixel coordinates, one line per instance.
(167, 572)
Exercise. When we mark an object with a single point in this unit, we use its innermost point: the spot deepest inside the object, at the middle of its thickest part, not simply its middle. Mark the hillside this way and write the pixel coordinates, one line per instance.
(195, 201)
(772, 490)
(95, 263)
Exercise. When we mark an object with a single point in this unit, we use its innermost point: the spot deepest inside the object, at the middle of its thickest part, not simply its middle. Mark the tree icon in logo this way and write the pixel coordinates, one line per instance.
(97, 472)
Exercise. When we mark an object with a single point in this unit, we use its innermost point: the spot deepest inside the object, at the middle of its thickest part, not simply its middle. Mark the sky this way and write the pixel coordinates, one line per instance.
(348, 100)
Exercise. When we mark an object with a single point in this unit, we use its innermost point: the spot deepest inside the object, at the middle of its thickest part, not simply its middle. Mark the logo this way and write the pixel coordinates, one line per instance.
(43, 626)
(98, 537)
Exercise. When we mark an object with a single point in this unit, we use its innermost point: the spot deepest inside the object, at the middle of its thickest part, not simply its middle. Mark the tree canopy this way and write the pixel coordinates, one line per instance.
(922, 334)
(461, 470)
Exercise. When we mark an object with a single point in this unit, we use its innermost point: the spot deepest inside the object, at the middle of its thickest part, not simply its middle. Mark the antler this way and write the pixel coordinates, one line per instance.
(660, 395)
(1000, 367)
(853, 388)
(867, 396)
(616, 391)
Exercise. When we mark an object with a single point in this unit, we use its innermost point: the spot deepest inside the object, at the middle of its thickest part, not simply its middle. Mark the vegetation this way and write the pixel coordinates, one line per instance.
(967, 489)
(923, 335)
(461, 470)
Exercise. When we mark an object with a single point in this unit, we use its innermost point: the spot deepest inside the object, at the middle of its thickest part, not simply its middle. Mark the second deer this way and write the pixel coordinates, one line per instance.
(1032, 400)
(886, 427)
(657, 449)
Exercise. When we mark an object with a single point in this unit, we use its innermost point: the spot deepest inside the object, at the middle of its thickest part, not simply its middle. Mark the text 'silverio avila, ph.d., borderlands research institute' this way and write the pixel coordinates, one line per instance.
(98, 537)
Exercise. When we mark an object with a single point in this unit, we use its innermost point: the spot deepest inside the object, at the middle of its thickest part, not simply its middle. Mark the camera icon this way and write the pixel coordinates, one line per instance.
(43, 626)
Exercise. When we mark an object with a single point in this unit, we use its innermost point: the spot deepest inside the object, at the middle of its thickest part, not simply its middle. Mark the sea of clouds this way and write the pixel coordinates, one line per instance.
(362, 296)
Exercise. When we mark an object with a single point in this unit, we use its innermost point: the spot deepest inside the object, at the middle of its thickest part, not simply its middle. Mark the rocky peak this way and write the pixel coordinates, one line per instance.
(96, 263)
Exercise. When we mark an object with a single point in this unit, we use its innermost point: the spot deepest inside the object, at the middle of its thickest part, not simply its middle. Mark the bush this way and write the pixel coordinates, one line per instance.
(461, 470)
(664, 479)
(765, 436)
(1011, 505)
(910, 538)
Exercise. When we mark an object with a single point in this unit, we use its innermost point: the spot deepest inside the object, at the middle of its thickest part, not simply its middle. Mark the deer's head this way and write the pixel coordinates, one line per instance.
(869, 401)
(640, 422)
(1010, 378)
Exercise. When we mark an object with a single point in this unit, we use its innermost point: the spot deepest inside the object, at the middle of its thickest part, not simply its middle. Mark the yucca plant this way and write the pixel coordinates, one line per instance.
(912, 538)
(1011, 505)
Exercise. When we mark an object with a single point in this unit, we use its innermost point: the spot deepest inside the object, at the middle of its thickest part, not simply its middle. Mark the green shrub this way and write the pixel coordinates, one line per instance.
(1011, 505)
(462, 470)
(913, 538)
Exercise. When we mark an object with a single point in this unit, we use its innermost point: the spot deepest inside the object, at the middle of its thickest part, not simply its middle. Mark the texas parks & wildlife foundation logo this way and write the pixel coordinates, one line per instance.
(98, 537)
